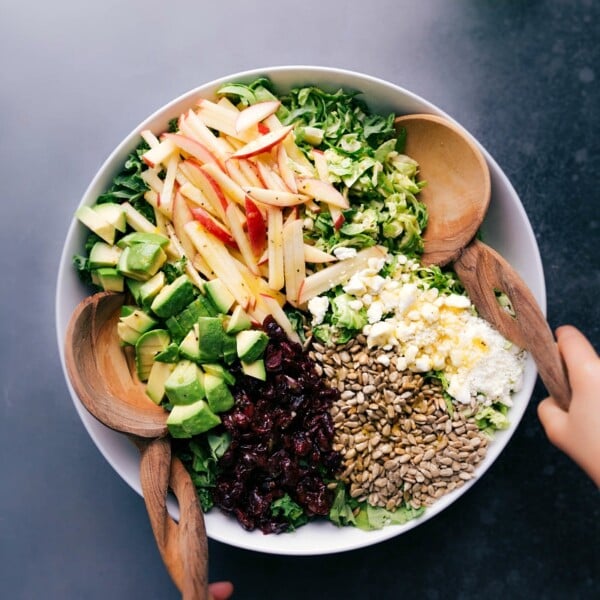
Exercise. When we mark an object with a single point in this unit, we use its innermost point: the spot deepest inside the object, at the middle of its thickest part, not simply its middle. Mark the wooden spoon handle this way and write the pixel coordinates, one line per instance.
(183, 546)
(482, 271)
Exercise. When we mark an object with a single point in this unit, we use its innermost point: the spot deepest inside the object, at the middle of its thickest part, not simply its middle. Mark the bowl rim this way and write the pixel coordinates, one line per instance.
(252, 540)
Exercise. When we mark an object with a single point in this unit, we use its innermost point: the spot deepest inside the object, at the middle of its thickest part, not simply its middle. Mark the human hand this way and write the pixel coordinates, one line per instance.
(221, 590)
(577, 431)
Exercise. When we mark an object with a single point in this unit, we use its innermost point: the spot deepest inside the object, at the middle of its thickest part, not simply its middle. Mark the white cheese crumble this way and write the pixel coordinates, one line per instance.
(317, 307)
(343, 253)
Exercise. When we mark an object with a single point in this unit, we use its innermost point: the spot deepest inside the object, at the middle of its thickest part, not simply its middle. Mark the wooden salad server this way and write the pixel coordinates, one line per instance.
(457, 196)
(109, 389)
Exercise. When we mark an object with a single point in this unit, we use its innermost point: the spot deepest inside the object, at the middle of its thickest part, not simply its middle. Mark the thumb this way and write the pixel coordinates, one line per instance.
(554, 421)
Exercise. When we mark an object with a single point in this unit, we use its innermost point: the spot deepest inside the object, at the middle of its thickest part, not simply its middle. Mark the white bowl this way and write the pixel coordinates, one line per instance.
(506, 228)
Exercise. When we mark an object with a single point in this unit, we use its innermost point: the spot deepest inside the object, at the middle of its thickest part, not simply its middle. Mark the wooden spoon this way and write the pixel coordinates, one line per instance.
(103, 380)
(457, 197)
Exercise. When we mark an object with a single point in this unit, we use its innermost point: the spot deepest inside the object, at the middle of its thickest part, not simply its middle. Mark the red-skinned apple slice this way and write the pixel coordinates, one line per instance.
(278, 198)
(255, 113)
(279, 315)
(285, 170)
(322, 191)
(211, 225)
(263, 143)
(159, 154)
(193, 148)
(257, 229)
(242, 240)
(206, 184)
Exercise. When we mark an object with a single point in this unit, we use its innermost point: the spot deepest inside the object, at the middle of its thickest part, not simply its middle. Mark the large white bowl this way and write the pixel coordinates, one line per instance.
(506, 228)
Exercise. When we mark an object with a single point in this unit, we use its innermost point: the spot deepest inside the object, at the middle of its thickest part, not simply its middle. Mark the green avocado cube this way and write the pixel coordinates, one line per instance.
(141, 237)
(110, 279)
(188, 420)
(159, 373)
(210, 335)
(174, 297)
(185, 384)
(251, 344)
(147, 347)
(169, 355)
(149, 289)
(218, 395)
(220, 295)
(104, 255)
(238, 321)
(190, 347)
(255, 369)
(141, 261)
(92, 220)
(112, 213)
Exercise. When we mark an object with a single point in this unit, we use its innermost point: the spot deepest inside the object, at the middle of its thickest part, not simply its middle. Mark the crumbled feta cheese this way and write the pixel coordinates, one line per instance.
(317, 307)
(375, 312)
(343, 253)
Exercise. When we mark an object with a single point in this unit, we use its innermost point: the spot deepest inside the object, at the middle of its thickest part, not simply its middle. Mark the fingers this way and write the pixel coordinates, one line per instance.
(580, 357)
(221, 590)
(554, 421)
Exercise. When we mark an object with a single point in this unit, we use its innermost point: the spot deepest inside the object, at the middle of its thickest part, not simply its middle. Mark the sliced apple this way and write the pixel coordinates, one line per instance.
(263, 143)
(293, 260)
(192, 126)
(219, 260)
(255, 113)
(285, 170)
(193, 194)
(150, 138)
(316, 256)
(152, 180)
(239, 235)
(221, 119)
(277, 198)
(190, 269)
(329, 277)
(279, 315)
(322, 191)
(159, 154)
(275, 248)
(228, 186)
(202, 267)
(257, 230)
(212, 225)
(194, 148)
(206, 184)
(250, 171)
(165, 197)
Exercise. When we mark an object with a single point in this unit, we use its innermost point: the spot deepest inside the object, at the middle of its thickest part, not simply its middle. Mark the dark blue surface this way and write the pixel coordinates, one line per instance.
(521, 76)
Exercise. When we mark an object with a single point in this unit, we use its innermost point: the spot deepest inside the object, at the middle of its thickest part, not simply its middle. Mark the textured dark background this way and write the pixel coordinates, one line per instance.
(77, 76)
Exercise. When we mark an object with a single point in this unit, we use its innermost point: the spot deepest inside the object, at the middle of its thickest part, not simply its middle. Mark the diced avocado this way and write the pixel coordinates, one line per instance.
(146, 348)
(220, 295)
(141, 261)
(141, 237)
(174, 297)
(179, 325)
(159, 373)
(137, 319)
(190, 347)
(229, 349)
(169, 355)
(134, 287)
(218, 395)
(219, 371)
(127, 335)
(95, 278)
(185, 384)
(91, 219)
(185, 421)
(149, 289)
(112, 213)
(104, 255)
(238, 321)
(211, 335)
(110, 279)
(251, 344)
(255, 369)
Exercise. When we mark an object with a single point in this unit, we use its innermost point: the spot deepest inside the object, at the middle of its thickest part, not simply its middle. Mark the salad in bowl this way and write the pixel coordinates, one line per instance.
(266, 231)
